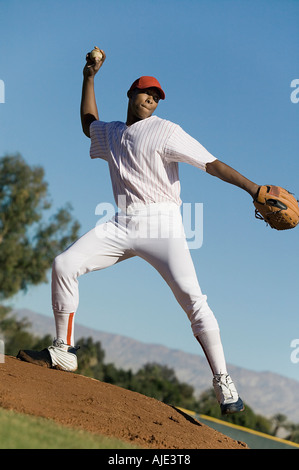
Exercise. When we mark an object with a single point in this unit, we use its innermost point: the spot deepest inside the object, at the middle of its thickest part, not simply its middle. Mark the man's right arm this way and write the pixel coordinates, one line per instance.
(88, 109)
(230, 175)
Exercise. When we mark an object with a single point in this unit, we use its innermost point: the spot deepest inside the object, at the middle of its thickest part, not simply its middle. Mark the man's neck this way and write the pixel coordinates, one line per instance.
(130, 121)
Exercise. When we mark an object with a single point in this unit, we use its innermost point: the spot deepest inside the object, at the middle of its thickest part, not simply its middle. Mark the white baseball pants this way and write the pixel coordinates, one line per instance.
(155, 233)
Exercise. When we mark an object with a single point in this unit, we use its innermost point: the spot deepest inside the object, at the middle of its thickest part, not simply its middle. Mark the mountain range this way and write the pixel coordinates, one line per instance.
(266, 393)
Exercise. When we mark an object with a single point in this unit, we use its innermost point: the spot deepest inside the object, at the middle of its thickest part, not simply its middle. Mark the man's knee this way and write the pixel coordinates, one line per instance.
(63, 265)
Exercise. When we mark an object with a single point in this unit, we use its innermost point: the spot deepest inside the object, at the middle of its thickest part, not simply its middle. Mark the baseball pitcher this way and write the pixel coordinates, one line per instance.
(143, 155)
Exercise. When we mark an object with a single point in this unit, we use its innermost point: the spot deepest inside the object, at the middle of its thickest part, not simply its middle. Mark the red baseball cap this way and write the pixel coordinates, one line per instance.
(147, 82)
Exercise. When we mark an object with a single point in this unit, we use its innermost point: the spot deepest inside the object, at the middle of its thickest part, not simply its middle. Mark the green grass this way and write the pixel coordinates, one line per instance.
(18, 431)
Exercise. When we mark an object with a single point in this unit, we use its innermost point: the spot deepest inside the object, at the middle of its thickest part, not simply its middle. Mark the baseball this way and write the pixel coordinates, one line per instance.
(96, 53)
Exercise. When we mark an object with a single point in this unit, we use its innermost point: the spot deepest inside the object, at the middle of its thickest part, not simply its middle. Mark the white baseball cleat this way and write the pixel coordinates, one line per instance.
(58, 356)
(227, 395)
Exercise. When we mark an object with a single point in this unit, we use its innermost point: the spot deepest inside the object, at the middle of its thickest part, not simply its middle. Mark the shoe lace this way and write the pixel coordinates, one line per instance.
(59, 342)
(224, 383)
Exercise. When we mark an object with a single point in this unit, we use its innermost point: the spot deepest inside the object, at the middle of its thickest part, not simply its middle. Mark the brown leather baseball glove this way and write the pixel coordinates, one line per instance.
(277, 207)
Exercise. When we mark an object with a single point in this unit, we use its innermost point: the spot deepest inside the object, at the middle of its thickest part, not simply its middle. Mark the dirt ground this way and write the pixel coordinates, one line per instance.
(83, 403)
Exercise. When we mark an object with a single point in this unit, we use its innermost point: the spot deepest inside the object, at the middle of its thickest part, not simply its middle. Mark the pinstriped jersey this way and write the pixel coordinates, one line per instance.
(143, 158)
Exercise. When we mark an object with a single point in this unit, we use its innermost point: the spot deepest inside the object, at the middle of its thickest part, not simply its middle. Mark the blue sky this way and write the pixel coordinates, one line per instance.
(227, 68)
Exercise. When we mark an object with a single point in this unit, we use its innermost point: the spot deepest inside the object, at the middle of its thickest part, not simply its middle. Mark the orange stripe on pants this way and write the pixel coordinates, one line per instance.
(70, 329)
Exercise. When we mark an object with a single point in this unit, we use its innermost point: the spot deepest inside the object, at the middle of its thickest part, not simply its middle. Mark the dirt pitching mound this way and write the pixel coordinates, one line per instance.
(83, 403)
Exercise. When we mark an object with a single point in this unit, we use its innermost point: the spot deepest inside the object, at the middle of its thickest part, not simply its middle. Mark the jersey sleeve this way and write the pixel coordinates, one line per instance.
(99, 147)
(181, 147)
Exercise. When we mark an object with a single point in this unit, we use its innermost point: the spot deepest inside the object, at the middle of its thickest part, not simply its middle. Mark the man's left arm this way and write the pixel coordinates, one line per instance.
(229, 175)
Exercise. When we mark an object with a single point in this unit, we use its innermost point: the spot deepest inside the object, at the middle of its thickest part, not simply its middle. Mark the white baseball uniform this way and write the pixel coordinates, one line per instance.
(143, 162)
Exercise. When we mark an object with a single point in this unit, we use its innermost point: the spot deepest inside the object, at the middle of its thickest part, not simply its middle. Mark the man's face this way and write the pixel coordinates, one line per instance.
(142, 103)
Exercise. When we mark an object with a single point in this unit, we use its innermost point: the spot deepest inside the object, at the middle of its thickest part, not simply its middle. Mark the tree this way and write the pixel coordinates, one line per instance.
(120, 377)
(91, 363)
(28, 243)
(279, 421)
(90, 358)
(16, 335)
(160, 382)
(293, 432)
